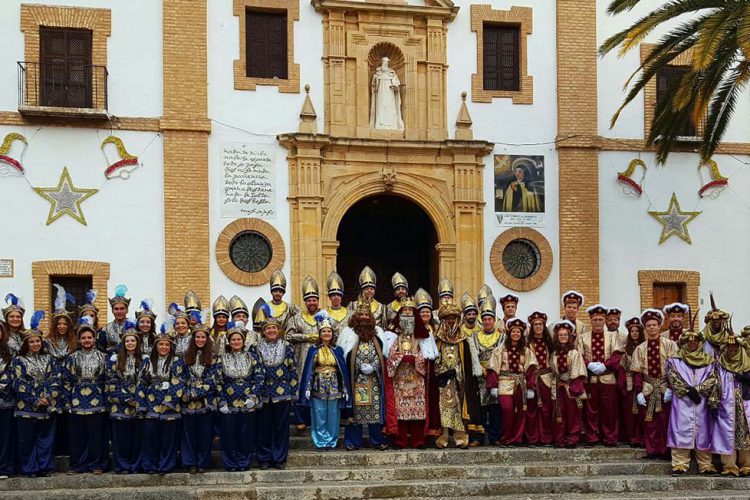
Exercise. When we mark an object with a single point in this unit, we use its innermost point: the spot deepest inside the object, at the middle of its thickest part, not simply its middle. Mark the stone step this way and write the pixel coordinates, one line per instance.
(472, 456)
(620, 487)
(309, 475)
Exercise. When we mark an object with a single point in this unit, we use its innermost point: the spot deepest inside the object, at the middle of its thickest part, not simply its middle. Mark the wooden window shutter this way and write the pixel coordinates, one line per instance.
(65, 67)
(667, 83)
(266, 44)
(501, 57)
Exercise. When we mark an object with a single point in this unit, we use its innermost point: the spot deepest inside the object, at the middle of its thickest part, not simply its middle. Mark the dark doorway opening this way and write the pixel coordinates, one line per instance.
(388, 233)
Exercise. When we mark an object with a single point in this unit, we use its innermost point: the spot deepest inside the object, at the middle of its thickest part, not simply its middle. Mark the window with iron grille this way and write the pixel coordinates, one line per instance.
(501, 59)
(266, 44)
(65, 67)
(667, 83)
(77, 286)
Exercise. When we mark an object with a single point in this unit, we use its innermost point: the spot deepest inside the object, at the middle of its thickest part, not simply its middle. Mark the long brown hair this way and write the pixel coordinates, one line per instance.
(546, 337)
(521, 342)
(122, 354)
(4, 333)
(630, 345)
(71, 338)
(206, 354)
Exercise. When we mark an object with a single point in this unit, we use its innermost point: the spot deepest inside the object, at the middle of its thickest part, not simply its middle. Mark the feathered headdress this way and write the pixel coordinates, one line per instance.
(129, 328)
(177, 311)
(146, 310)
(89, 303)
(85, 323)
(61, 300)
(323, 320)
(34, 331)
(165, 333)
(14, 304)
(119, 298)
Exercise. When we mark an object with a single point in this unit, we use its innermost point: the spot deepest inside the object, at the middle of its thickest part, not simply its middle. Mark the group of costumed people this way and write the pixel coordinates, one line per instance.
(458, 371)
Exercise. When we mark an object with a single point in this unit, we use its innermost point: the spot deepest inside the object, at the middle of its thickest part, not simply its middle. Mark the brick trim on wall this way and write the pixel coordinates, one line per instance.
(648, 278)
(516, 16)
(241, 80)
(41, 271)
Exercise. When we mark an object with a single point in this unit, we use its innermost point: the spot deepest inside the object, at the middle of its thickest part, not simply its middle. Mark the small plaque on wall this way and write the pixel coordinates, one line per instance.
(248, 180)
(6, 268)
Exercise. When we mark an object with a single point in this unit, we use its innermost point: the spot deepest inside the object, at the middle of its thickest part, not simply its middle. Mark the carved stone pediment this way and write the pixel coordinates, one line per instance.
(357, 35)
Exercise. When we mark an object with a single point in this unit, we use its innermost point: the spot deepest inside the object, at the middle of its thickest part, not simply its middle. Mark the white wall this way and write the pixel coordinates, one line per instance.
(614, 71)
(515, 129)
(125, 218)
(630, 236)
(134, 54)
(261, 115)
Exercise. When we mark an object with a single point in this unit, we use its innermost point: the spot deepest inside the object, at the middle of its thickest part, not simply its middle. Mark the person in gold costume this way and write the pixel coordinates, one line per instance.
(456, 369)
(485, 341)
(302, 333)
(367, 284)
(280, 309)
(220, 311)
(400, 290)
(336, 311)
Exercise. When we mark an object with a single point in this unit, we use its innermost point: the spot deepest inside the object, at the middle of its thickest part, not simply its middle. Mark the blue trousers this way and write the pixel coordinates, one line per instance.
(353, 435)
(301, 415)
(273, 432)
(89, 447)
(36, 439)
(62, 434)
(325, 422)
(197, 438)
(238, 440)
(492, 422)
(160, 443)
(7, 442)
(127, 440)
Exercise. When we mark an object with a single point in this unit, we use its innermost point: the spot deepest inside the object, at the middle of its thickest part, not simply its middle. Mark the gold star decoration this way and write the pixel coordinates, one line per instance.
(65, 199)
(674, 221)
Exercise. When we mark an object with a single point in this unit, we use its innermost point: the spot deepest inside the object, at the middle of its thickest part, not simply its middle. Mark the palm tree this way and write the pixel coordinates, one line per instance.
(718, 34)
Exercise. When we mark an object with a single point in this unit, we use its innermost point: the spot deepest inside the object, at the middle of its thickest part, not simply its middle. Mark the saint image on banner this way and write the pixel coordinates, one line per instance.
(519, 190)
(385, 107)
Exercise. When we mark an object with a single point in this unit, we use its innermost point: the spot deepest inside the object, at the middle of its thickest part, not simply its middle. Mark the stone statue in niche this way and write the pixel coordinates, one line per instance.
(385, 107)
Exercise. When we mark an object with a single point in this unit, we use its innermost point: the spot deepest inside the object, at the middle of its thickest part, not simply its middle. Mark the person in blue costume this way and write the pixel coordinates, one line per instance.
(159, 393)
(123, 374)
(365, 347)
(239, 376)
(111, 335)
(280, 388)
(7, 404)
(83, 377)
(199, 398)
(325, 386)
(36, 383)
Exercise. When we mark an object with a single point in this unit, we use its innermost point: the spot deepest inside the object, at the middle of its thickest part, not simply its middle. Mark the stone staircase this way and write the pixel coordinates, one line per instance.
(488, 472)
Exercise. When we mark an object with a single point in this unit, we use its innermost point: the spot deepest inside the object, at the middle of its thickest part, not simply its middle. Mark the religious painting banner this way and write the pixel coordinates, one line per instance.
(519, 190)
(248, 180)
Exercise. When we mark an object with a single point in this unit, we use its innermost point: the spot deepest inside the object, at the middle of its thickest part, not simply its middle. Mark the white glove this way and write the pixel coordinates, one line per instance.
(346, 396)
(592, 367)
(366, 368)
(493, 392)
(249, 404)
(307, 394)
(641, 399)
(224, 409)
(164, 386)
(529, 393)
(668, 395)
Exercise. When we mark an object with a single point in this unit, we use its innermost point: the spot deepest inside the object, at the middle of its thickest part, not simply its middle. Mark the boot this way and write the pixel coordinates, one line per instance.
(462, 440)
(442, 441)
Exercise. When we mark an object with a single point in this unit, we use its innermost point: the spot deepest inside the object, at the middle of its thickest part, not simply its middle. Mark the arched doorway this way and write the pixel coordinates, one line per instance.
(389, 233)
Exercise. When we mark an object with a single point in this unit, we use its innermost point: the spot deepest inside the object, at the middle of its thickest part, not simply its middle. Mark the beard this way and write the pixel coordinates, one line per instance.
(363, 327)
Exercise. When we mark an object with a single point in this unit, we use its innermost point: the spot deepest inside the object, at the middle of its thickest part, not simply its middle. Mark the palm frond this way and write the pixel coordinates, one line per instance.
(617, 6)
(711, 33)
(631, 37)
(722, 108)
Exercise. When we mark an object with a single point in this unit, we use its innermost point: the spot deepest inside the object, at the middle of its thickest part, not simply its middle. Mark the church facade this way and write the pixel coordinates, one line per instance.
(194, 144)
